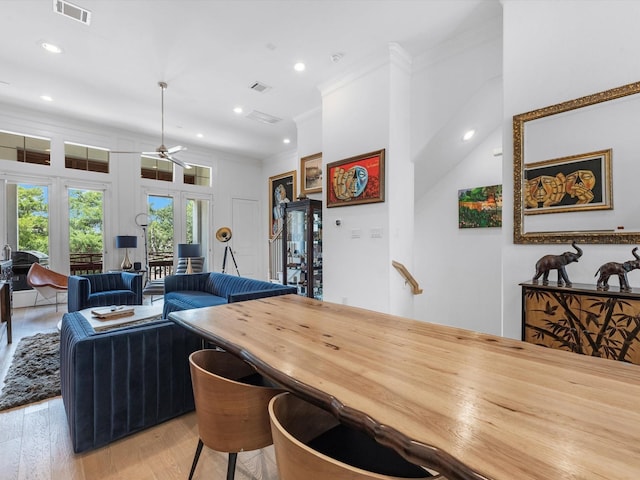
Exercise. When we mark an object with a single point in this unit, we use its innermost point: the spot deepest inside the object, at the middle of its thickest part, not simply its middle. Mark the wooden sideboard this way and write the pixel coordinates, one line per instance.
(583, 319)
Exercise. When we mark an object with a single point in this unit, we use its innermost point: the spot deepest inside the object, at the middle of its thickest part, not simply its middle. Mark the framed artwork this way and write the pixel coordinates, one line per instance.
(356, 180)
(480, 207)
(282, 189)
(311, 174)
(568, 184)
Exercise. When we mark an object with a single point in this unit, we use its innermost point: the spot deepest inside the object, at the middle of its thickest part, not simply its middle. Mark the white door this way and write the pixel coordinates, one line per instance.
(245, 240)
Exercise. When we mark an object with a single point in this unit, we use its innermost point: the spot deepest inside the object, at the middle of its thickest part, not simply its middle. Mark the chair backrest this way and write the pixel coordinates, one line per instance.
(231, 402)
(103, 282)
(296, 425)
(197, 265)
(39, 276)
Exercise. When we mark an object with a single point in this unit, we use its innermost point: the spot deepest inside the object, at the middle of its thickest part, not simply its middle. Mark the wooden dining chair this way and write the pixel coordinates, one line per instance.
(47, 282)
(310, 443)
(231, 405)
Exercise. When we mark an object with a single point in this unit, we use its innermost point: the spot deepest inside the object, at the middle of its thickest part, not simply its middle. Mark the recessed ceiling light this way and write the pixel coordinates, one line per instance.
(468, 135)
(50, 47)
(46, 98)
(286, 140)
(199, 135)
(237, 110)
(299, 67)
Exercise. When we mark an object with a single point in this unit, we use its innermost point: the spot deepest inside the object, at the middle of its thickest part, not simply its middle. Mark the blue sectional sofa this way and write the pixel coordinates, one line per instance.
(121, 381)
(183, 292)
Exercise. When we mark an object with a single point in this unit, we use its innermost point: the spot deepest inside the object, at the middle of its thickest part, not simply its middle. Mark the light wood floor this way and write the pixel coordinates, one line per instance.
(35, 443)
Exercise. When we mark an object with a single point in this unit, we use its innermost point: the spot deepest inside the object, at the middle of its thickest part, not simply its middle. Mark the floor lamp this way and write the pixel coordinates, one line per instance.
(142, 220)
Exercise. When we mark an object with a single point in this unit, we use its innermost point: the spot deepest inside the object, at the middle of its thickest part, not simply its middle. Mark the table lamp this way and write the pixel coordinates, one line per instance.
(126, 242)
(188, 251)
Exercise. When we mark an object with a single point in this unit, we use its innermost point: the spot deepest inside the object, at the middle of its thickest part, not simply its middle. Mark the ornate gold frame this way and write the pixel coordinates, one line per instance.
(289, 178)
(594, 237)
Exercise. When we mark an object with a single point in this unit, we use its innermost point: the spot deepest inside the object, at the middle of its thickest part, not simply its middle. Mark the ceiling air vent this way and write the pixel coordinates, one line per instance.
(263, 117)
(72, 11)
(259, 87)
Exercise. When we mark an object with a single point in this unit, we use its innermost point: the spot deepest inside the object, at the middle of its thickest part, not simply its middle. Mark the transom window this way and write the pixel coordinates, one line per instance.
(156, 169)
(198, 176)
(84, 157)
(23, 148)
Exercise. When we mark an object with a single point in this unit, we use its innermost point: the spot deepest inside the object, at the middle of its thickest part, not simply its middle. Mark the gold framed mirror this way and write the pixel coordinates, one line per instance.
(577, 164)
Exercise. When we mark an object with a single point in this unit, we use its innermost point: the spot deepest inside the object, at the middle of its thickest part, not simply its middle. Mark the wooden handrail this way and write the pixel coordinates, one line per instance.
(408, 278)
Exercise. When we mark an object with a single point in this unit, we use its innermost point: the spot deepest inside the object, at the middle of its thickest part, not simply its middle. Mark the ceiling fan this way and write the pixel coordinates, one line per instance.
(163, 152)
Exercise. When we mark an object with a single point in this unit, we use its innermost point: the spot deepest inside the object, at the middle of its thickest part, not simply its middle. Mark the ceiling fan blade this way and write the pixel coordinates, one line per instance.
(176, 149)
(150, 153)
(178, 162)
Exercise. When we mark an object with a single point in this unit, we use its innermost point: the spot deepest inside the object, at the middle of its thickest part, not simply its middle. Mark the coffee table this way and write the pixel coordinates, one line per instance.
(140, 312)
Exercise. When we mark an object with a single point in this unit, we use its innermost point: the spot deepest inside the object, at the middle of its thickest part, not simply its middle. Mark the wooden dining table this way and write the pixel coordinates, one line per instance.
(466, 404)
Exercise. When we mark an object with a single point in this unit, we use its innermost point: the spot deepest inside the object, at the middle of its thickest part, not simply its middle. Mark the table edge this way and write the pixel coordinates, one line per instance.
(413, 451)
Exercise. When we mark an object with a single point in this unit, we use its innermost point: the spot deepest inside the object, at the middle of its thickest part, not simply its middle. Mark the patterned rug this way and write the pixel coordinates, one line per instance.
(34, 374)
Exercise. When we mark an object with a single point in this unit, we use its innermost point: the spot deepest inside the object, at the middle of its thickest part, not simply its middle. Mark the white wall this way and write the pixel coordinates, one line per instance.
(554, 52)
(356, 121)
(456, 87)
(459, 269)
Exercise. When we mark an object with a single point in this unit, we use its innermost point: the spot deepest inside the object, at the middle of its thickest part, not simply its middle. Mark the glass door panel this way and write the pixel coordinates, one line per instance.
(86, 231)
(160, 235)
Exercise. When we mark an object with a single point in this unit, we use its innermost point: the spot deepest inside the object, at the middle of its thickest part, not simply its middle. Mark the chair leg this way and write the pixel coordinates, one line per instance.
(231, 467)
(196, 458)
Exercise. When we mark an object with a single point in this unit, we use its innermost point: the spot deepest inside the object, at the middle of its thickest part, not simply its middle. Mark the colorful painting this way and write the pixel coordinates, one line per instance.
(282, 189)
(578, 182)
(356, 180)
(480, 207)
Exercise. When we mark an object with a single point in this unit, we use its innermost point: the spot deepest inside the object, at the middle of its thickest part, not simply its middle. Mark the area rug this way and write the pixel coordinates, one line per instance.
(34, 374)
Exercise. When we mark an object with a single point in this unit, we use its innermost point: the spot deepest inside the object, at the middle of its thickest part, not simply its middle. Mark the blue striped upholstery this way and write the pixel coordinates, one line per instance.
(104, 289)
(121, 381)
(183, 292)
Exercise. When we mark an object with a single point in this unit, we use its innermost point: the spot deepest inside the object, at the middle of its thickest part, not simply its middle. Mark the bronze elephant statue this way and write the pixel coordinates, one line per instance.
(619, 269)
(556, 262)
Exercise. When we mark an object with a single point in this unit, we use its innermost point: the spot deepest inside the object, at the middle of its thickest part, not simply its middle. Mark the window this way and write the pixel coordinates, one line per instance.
(160, 236)
(86, 239)
(83, 157)
(156, 169)
(21, 148)
(32, 227)
(197, 221)
(198, 176)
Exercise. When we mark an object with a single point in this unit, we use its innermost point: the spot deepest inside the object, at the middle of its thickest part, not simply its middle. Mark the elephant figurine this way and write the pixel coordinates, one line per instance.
(556, 262)
(619, 269)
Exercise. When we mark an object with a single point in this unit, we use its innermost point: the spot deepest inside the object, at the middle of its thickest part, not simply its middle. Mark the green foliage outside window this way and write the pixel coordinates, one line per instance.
(85, 221)
(33, 218)
(161, 224)
(190, 207)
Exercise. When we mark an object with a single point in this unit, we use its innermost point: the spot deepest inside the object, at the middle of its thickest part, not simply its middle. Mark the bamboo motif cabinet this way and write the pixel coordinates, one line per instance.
(582, 319)
(302, 247)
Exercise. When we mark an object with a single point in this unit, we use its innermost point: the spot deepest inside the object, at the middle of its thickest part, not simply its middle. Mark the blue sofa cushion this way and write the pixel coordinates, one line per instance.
(184, 292)
(120, 381)
(194, 299)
